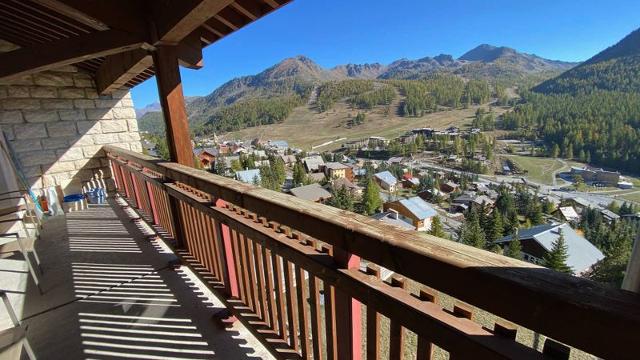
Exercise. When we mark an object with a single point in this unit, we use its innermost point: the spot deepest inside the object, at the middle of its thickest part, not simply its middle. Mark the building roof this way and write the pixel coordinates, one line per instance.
(390, 218)
(316, 176)
(610, 214)
(313, 192)
(248, 176)
(288, 159)
(342, 182)
(387, 177)
(312, 163)
(418, 207)
(211, 151)
(279, 144)
(569, 213)
(582, 254)
(335, 166)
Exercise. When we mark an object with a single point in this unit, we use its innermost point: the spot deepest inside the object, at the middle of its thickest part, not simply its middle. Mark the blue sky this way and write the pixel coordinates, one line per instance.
(333, 32)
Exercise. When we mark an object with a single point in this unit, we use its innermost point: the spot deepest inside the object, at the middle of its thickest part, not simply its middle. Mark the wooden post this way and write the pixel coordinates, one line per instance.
(165, 60)
(631, 280)
(348, 333)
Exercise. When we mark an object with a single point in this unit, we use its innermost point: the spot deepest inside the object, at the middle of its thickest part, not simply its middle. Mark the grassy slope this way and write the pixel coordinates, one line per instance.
(305, 127)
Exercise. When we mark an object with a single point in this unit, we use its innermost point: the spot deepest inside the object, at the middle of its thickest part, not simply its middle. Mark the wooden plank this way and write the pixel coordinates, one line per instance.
(165, 60)
(373, 323)
(102, 15)
(73, 13)
(117, 70)
(585, 313)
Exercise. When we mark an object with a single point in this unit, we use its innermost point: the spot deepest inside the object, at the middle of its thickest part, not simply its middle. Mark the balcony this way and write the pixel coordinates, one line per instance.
(185, 264)
(304, 278)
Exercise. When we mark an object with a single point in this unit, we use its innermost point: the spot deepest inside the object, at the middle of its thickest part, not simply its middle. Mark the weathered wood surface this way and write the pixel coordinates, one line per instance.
(576, 311)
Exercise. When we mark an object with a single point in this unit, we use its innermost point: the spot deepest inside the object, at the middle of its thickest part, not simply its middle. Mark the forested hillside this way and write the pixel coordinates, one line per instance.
(591, 112)
(601, 128)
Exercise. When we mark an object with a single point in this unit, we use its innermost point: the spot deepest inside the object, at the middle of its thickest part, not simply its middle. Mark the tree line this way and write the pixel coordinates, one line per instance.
(602, 127)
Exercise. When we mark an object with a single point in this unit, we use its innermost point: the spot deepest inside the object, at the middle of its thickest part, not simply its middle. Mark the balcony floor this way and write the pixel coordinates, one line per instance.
(111, 293)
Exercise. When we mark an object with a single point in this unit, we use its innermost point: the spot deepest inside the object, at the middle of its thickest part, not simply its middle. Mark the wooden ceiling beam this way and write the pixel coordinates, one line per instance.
(272, 3)
(58, 53)
(248, 8)
(176, 19)
(119, 69)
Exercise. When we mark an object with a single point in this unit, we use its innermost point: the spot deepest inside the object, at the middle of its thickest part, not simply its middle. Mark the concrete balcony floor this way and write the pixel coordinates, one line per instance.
(111, 293)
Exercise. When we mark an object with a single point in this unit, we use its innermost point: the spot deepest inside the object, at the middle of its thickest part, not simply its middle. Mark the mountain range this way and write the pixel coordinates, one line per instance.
(298, 75)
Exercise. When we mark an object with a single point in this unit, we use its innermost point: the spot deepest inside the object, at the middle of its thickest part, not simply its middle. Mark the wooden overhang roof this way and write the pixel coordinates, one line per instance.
(111, 39)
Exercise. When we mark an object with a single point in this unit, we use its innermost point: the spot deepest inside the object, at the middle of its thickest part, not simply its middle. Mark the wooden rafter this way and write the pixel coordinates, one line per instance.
(67, 51)
(179, 18)
(117, 70)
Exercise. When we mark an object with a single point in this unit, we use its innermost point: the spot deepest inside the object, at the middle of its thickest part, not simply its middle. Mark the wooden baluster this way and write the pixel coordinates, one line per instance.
(272, 293)
(396, 331)
(373, 323)
(248, 300)
(253, 281)
(347, 310)
(152, 204)
(228, 265)
(462, 311)
(303, 316)
(329, 314)
(262, 286)
(281, 301)
(425, 347)
(292, 305)
(316, 316)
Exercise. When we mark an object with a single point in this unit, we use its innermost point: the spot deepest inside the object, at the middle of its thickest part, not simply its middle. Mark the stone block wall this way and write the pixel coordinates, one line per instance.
(57, 124)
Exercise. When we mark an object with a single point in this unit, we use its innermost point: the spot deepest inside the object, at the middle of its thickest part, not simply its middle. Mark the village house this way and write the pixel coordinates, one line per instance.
(596, 176)
(207, 156)
(313, 192)
(409, 181)
(313, 163)
(288, 160)
(567, 214)
(538, 241)
(340, 183)
(449, 187)
(337, 170)
(414, 211)
(386, 180)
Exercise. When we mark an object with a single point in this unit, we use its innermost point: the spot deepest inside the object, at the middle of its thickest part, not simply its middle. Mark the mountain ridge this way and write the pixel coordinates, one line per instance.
(615, 68)
(298, 76)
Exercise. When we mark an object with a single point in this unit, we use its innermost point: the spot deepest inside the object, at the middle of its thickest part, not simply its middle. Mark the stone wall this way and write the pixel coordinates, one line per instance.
(57, 125)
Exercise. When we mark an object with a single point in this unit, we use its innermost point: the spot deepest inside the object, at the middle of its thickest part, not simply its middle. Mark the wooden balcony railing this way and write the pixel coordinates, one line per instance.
(290, 270)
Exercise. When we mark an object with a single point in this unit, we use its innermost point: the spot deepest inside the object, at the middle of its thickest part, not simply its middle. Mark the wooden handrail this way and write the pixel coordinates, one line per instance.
(584, 314)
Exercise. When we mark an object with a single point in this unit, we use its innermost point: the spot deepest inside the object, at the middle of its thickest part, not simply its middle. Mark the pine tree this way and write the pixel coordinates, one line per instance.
(514, 249)
(371, 198)
(495, 229)
(437, 229)
(299, 175)
(471, 232)
(556, 259)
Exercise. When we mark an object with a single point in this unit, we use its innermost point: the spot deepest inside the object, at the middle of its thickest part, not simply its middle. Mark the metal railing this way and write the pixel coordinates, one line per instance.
(291, 271)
